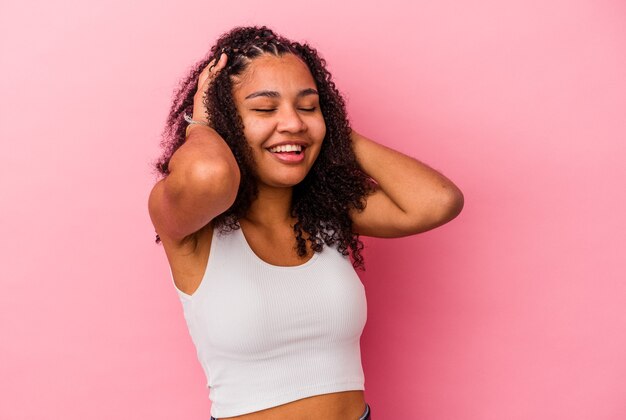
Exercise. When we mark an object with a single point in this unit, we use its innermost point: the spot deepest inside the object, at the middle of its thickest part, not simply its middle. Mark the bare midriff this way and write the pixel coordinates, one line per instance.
(346, 405)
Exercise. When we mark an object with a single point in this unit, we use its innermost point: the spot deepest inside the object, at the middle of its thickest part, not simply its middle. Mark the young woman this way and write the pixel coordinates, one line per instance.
(265, 191)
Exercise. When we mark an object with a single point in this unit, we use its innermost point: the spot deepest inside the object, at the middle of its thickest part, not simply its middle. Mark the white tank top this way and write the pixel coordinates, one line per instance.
(267, 335)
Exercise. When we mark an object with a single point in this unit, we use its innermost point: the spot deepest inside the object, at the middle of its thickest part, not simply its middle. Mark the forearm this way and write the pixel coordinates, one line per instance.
(414, 187)
(204, 149)
(203, 172)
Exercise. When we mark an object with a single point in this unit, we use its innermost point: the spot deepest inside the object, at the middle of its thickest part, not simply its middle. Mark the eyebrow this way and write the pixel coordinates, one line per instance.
(274, 94)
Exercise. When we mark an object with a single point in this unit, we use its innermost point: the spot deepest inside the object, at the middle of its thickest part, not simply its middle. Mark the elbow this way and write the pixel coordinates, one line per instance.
(447, 206)
(452, 204)
(442, 208)
(456, 201)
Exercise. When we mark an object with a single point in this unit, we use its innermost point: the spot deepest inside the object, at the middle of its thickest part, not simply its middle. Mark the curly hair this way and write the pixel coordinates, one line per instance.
(335, 183)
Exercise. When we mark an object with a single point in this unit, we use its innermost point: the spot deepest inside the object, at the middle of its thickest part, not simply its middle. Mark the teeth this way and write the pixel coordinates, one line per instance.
(286, 148)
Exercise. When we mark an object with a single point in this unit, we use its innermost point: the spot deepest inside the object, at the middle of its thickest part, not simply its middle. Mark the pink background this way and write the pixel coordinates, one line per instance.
(515, 310)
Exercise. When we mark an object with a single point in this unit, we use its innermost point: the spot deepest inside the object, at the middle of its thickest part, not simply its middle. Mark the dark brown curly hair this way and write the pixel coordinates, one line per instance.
(335, 183)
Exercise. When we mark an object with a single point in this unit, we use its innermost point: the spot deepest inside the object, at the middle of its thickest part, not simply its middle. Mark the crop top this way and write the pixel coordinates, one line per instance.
(267, 335)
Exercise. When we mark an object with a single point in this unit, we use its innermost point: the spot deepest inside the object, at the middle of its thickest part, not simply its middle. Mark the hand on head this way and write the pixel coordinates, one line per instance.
(204, 81)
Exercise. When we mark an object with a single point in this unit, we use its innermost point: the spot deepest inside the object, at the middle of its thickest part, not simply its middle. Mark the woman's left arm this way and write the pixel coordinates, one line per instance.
(410, 198)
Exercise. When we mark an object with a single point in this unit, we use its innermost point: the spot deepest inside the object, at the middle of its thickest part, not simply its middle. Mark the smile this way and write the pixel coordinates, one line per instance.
(287, 148)
(290, 153)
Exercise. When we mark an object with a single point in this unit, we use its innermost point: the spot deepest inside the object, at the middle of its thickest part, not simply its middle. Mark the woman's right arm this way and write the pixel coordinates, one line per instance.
(203, 183)
(204, 175)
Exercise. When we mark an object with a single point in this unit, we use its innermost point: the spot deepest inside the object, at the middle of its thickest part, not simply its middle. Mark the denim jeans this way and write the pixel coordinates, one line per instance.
(365, 416)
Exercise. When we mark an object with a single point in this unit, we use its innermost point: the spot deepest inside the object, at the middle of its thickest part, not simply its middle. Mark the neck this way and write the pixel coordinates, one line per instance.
(271, 207)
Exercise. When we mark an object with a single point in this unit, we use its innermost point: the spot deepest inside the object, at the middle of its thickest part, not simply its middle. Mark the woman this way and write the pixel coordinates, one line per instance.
(262, 179)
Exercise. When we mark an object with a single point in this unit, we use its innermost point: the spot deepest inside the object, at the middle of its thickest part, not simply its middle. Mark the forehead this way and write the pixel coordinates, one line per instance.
(286, 74)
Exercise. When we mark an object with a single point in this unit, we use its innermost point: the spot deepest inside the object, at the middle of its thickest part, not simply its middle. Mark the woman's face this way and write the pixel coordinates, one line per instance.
(279, 105)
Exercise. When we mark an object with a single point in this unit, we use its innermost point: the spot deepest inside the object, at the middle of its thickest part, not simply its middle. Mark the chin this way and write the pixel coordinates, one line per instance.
(284, 182)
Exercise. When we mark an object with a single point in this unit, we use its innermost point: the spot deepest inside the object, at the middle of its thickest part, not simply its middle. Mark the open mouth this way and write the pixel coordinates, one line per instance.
(294, 149)
(291, 153)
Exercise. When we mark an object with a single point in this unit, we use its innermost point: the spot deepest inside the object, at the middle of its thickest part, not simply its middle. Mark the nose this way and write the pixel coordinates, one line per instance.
(290, 121)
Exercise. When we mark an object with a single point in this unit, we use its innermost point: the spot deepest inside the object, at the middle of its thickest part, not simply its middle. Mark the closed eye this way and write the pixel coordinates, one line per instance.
(273, 109)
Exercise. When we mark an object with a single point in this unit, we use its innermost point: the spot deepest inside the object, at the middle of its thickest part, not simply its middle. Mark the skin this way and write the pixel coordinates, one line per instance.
(411, 196)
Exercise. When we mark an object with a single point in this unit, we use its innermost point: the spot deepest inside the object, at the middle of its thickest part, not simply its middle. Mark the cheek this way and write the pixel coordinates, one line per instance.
(318, 126)
(254, 129)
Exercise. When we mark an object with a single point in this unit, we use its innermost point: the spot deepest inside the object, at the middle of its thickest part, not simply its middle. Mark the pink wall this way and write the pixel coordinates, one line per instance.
(515, 310)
